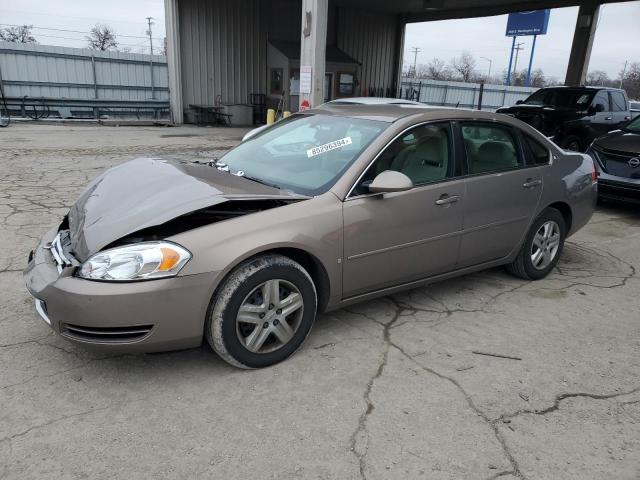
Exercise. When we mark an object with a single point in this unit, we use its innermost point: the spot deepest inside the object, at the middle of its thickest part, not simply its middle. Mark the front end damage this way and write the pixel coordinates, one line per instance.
(147, 315)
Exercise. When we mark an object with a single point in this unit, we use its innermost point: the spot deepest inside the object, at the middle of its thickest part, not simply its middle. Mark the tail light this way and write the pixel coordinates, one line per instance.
(594, 171)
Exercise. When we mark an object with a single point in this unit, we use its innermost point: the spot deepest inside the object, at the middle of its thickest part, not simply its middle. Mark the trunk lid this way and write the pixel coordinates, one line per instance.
(619, 153)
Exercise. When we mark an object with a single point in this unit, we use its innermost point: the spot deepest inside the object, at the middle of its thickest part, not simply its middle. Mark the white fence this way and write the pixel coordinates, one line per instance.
(56, 72)
(460, 94)
(38, 80)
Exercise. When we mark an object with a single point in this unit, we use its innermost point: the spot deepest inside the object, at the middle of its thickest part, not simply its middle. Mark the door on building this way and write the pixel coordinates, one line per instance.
(400, 237)
(294, 89)
(328, 86)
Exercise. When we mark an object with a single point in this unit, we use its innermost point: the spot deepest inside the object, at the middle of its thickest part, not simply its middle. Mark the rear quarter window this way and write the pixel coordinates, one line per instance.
(538, 154)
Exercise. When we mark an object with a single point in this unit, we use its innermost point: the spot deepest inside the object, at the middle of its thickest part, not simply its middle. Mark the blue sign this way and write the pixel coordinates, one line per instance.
(528, 23)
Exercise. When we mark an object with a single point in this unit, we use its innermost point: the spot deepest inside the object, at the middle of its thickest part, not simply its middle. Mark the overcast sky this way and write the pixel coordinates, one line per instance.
(126, 17)
(617, 38)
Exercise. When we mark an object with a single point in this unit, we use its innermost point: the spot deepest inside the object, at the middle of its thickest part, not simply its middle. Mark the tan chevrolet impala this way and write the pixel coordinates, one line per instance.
(333, 206)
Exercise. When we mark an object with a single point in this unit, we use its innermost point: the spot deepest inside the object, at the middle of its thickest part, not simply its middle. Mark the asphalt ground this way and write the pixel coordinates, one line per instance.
(386, 389)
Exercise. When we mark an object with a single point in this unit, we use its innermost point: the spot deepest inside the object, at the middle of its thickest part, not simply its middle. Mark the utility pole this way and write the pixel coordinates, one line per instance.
(517, 48)
(150, 33)
(415, 51)
(490, 63)
(624, 70)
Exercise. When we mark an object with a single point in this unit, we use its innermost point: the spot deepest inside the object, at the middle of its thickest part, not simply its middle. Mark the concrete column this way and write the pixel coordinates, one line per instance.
(585, 32)
(174, 61)
(313, 45)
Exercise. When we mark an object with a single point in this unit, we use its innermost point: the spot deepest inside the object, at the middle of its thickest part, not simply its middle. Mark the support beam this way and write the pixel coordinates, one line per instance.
(583, 36)
(313, 45)
(399, 53)
(174, 60)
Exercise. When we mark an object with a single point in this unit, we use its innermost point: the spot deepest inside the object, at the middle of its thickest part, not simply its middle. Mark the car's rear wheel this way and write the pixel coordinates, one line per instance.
(262, 312)
(572, 143)
(542, 246)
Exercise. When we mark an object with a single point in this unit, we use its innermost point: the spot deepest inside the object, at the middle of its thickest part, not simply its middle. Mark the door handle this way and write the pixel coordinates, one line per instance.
(608, 118)
(530, 183)
(446, 199)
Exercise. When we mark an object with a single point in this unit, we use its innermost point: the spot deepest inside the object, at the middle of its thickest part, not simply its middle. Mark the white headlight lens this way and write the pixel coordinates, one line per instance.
(136, 262)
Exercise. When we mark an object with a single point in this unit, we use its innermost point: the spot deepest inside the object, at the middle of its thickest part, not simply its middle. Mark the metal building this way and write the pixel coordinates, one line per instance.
(227, 51)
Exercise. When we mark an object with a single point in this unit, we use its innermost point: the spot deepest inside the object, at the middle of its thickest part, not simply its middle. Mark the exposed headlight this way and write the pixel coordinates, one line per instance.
(140, 261)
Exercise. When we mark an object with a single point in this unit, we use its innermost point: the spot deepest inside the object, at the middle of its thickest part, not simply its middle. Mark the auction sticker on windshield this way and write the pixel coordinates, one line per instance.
(327, 147)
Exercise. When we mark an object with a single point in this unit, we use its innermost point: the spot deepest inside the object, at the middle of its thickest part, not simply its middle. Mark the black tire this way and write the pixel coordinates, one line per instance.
(220, 328)
(573, 143)
(523, 266)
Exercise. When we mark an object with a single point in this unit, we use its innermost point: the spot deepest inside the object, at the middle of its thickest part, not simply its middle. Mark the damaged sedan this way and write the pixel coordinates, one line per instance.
(332, 206)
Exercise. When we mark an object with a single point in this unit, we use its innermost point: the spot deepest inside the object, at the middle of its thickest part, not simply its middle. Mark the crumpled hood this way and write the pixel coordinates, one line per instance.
(621, 141)
(147, 192)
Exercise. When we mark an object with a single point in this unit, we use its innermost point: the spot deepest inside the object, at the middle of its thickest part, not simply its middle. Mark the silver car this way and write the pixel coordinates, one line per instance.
(329, 207)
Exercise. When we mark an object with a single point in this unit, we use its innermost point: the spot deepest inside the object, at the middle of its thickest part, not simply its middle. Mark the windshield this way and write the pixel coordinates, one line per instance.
(303, 153)
(561, 97)
(633, 125)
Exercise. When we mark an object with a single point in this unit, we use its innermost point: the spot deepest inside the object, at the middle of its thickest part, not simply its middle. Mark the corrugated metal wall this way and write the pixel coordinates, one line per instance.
(460, 94)
(61, 72)
(371, 38)
(224, 50)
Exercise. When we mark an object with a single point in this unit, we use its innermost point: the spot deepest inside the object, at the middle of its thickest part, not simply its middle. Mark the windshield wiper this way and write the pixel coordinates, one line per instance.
(259, 180)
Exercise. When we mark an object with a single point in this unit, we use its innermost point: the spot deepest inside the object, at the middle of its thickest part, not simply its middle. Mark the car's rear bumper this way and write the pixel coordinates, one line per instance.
(619, 188)
(146, 316)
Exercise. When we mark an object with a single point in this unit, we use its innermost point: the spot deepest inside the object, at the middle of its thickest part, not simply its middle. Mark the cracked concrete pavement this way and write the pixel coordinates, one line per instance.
(385, 389)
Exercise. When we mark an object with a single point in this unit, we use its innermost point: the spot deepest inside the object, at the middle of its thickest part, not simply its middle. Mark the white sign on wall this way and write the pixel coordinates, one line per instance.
(305, 79)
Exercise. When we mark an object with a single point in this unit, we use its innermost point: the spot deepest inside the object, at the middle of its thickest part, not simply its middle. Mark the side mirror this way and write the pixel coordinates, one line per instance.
(597, 108)
(519, 102)
(390, 181)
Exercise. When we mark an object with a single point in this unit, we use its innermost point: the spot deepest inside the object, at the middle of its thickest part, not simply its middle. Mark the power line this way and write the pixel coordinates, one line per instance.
(72, 31)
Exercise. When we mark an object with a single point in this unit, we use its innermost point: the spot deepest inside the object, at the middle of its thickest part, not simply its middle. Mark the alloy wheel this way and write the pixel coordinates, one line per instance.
(269, 316)
(546, 243)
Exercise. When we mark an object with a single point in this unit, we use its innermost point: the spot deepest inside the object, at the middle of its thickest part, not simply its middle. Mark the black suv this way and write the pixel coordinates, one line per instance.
(573, 116)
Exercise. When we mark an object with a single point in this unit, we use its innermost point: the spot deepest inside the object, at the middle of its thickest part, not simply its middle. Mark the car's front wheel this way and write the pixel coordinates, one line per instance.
(542, 246)
(262, 312)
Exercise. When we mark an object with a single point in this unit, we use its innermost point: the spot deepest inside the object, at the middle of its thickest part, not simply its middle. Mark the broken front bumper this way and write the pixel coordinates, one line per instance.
(144, 316)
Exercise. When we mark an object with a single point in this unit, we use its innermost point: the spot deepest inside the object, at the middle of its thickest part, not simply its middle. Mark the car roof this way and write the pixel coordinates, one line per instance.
(372, 101)
(390, 112)
(578, 87)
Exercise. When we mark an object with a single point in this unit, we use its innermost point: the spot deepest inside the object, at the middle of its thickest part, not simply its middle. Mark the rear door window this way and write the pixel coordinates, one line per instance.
(490, 148)
(618, 102)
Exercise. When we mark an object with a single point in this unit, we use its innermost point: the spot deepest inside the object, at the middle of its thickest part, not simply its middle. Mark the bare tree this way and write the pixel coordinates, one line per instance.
(102, 37)
(631, 80)
(599, 78)
(437, 70)
(465, 65)
(163, 49)
(18, 34)
(538, 78)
